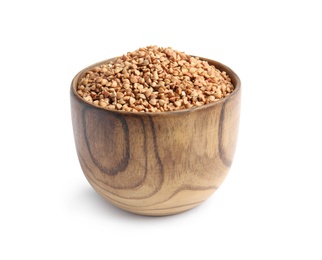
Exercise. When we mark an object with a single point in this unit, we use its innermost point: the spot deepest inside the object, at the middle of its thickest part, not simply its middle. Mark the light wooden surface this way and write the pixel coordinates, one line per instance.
(156, 163)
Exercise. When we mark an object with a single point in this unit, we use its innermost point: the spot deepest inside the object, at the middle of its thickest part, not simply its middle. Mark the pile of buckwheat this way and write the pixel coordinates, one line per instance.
(154, 79)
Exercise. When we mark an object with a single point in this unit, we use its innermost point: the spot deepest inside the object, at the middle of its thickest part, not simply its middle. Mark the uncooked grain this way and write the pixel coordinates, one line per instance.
(154, 79)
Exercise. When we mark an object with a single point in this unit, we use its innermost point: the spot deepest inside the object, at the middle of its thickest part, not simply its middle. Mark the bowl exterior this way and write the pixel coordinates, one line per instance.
(156, 163)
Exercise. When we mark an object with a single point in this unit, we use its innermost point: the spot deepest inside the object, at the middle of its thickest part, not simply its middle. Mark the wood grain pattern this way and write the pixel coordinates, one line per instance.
(156, 163)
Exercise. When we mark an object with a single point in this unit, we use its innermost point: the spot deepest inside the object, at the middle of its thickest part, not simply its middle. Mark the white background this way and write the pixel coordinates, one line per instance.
(270, 205)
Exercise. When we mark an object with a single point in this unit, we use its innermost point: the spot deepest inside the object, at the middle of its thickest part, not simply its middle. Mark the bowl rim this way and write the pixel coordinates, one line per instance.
(222, 67)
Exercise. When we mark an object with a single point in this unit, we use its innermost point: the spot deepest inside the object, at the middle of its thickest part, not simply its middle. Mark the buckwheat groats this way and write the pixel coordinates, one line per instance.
(154, 79)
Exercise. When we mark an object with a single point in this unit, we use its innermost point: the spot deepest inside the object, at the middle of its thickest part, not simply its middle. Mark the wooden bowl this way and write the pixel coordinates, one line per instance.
(156, 163)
